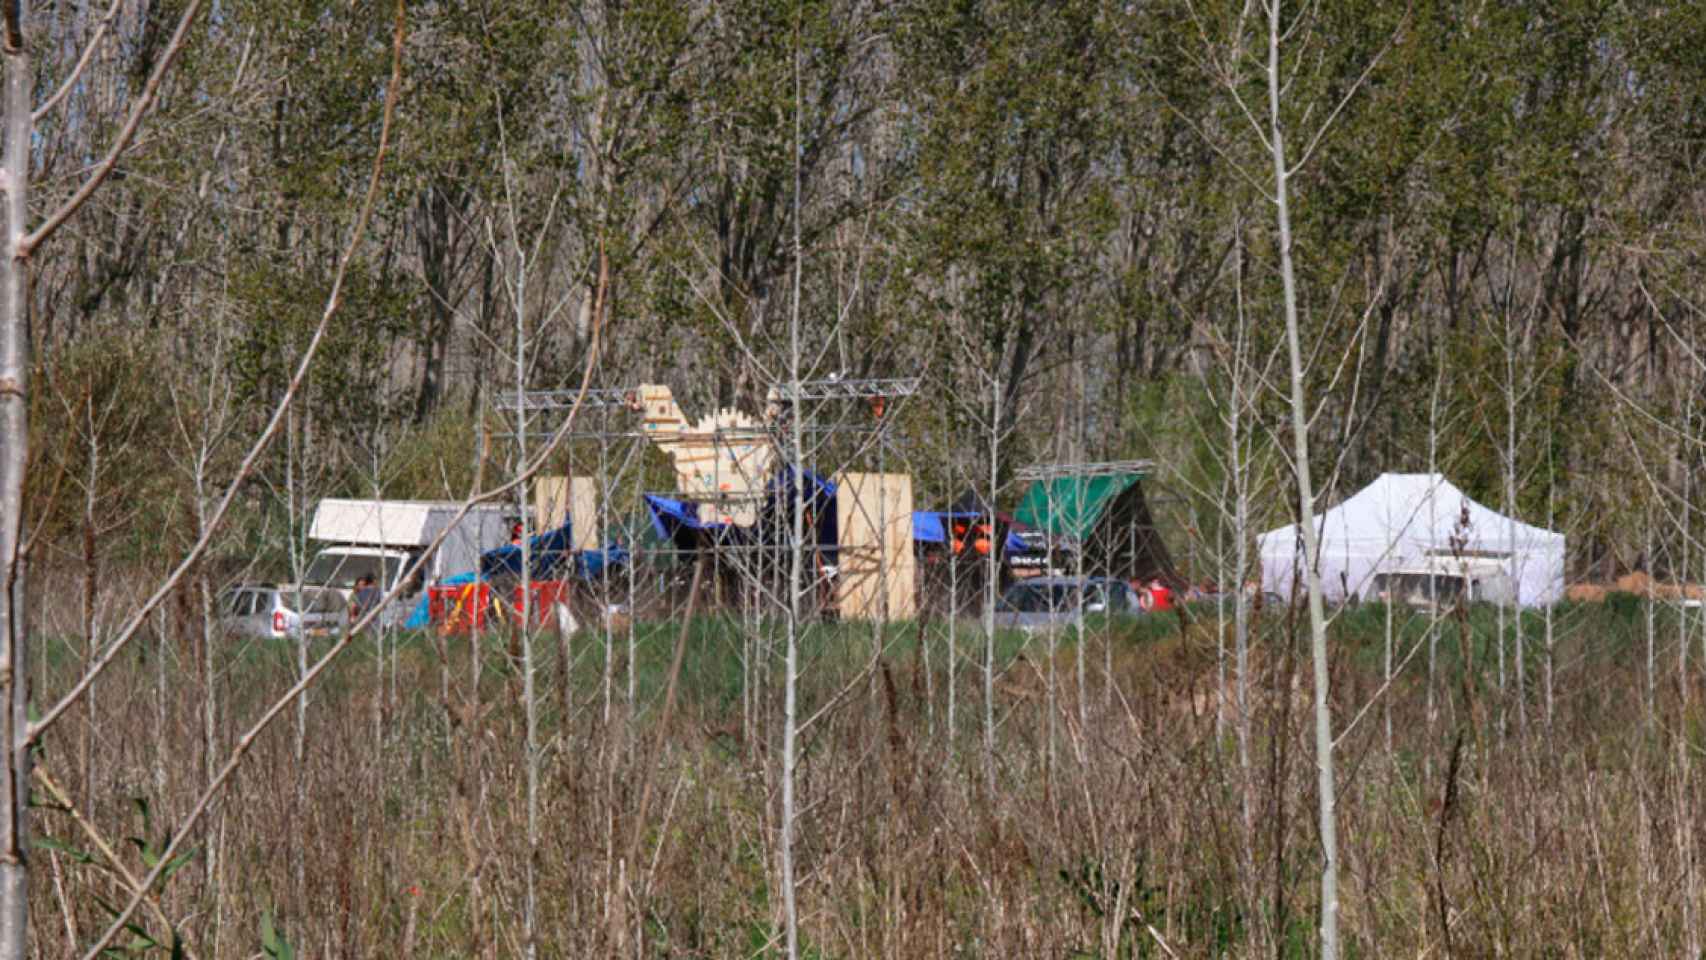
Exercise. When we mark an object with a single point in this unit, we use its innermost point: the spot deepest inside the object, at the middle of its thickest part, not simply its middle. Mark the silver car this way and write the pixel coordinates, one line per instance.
(275, 612)
(1046, 603)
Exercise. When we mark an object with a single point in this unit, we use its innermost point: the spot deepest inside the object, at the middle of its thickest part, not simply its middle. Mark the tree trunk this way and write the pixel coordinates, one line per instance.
(14, 453)
(1306, 506)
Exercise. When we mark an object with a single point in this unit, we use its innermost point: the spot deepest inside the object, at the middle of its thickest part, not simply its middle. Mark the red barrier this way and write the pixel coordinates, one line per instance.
(546, 594)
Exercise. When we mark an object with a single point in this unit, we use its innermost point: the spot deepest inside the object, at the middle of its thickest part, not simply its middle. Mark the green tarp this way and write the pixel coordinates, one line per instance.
(1071, 506)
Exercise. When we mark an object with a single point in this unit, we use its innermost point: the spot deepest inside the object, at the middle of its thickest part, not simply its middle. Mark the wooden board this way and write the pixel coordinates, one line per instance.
(877, 575)
(583, 514)
(550, 502)
(556, 499)
(724, 456)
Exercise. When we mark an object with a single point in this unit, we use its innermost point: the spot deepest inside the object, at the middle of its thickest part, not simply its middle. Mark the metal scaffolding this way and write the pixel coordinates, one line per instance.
(836, 388)
(845, 420)
(1107, 468)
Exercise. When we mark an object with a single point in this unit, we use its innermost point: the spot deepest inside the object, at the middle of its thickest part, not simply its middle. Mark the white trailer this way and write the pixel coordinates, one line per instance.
(384, 539)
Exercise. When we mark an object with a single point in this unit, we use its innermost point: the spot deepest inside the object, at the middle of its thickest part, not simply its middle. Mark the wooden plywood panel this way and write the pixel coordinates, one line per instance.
(550, 502)
(559, 499)
(724, 457)
(877, 576)
(583, 513)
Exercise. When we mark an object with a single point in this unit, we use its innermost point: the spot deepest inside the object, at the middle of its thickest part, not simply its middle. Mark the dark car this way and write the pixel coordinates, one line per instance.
(1045, 603)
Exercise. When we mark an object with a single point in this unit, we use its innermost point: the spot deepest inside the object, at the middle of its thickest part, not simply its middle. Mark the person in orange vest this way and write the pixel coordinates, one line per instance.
(976, 536)
(981, 540)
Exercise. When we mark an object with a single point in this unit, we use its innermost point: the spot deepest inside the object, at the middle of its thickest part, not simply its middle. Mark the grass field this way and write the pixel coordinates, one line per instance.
(1140, 814)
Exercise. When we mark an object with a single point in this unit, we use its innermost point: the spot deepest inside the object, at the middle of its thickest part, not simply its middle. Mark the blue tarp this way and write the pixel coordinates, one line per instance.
(593, 563)
(931, 526)
(677, 521)
(670, 517)
(421, 617)
(550, 554)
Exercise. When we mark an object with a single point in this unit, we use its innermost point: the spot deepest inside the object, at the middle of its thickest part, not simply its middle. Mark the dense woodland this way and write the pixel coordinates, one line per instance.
(1056, 212)
(1059, 216)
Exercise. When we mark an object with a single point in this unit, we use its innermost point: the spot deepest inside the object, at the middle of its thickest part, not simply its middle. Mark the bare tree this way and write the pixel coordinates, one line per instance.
(17, 121)
(1272, 133)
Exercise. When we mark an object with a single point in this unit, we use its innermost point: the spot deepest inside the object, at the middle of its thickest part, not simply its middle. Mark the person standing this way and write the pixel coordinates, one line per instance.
(365, 598)
(1161, 594)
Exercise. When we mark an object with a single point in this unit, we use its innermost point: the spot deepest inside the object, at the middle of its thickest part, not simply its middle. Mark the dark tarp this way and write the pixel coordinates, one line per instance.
(1126, 543)
(1108, 518)
(551, 556)
(818, 499)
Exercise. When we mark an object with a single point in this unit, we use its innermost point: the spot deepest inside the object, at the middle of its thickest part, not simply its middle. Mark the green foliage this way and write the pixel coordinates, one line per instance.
(141, 942)
(273, 945)
(65, 849)
(151, 851)
(1624, 605)
(347, 390)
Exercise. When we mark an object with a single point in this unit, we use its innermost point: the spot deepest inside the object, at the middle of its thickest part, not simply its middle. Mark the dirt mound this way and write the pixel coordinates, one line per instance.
(1637, 583)
(1586, 592)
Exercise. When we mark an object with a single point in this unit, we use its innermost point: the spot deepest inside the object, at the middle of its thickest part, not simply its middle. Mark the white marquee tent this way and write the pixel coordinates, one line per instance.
(1398, 520)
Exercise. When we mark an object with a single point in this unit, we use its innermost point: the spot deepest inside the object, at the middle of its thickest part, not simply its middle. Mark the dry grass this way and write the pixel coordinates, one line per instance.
(403, 831)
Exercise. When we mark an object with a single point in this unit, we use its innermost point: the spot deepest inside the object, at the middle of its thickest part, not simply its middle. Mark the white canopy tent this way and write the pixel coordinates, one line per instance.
(1402, 519)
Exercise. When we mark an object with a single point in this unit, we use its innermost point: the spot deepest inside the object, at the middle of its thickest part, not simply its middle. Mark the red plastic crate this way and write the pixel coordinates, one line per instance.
(465, 607)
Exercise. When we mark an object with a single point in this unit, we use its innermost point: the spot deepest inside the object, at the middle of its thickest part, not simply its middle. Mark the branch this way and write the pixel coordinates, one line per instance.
(14, 41)
(1327, 124)
(137, 111)
(1231, 163)
(129, 879)
(333, 300)
(82, 62)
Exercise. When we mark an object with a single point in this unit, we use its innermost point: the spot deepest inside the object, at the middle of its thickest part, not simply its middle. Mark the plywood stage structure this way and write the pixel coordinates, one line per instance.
(877, 573)
(726, 457)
